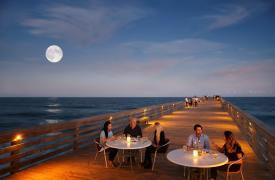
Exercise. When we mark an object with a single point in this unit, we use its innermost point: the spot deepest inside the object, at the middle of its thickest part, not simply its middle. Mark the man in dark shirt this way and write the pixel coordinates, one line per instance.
(133, 129)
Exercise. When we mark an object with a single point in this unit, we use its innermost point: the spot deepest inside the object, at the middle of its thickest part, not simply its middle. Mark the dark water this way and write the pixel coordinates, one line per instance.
(29, 112)
(262, 108)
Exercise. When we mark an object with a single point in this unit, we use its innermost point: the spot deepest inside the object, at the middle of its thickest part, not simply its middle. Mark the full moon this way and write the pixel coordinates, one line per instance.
(54, 53)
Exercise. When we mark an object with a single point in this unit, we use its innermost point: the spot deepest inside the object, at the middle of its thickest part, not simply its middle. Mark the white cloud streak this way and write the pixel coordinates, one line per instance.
(227, 16)
(84, 25)
(187, 46)
(249, 70)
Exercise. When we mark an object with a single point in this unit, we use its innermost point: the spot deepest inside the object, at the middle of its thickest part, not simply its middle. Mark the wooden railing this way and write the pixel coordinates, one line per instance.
(260, 137)
(20, 149)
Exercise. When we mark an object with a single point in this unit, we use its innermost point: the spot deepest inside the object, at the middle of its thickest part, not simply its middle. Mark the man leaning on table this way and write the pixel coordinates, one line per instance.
(198, 139)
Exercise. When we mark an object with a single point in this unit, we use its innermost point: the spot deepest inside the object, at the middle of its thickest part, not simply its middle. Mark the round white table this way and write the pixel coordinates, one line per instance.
(206, 160)
(134, 144)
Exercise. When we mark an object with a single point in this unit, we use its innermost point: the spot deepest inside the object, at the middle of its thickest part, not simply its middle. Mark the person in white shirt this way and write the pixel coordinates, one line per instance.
(198, 139)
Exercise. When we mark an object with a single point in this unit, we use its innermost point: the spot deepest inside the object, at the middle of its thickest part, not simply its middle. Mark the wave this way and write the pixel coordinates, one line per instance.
(53, 105)
(81, 107)
(50, 121)
(53, 110)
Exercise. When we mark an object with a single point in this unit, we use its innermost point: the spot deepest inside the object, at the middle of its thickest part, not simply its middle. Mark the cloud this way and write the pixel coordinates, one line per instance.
(153, 67)
(84, 25)
(185, 47)
(250, 70)
(227, 16)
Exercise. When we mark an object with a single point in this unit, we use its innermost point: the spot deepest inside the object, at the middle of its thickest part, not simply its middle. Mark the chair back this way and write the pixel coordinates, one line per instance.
(236, 166)
(164, 147)
(97, 144)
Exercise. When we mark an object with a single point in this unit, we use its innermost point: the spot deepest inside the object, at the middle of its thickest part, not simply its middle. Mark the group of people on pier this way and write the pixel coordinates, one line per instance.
(231, 148)
(198, 139)
(192, 102)
(134, 130)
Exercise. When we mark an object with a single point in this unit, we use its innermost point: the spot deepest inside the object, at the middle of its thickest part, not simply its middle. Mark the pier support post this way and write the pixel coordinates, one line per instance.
(76, 135)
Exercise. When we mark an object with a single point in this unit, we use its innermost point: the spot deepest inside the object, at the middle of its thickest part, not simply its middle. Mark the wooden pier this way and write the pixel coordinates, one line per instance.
(78, 162)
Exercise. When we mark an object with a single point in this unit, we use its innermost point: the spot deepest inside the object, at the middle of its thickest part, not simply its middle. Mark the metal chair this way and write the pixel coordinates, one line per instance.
(240, 171)
(160, 149)
(99, 149)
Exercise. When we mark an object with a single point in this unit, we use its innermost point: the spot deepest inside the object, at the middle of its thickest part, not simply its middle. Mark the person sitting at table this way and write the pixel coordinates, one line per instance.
(198, 139)
(107, 134)
(232, 150)
(133, 129)
(159, 140)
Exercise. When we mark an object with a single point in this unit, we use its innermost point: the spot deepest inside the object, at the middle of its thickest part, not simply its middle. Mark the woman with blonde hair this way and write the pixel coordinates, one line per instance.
(159, 140)
(232, 150)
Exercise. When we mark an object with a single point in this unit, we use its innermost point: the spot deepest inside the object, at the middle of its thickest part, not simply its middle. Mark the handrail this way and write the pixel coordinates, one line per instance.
(260, 137)
(20, 149)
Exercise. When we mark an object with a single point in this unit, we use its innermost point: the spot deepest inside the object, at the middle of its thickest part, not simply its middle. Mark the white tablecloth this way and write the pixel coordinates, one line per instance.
(122, 144)
(207, 160)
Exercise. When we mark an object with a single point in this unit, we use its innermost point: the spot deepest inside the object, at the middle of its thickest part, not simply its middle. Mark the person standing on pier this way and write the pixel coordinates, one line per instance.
(198, 139)
(186, 102)
(133, 129)
(107, 134)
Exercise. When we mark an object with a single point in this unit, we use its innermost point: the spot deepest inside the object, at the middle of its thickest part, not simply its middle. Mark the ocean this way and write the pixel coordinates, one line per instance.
(263, 108)
(16, 113)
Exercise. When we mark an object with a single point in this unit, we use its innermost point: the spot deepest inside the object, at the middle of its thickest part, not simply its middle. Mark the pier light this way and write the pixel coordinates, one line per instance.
(173, 104)
(162, 107)
(145, 110)
(18, 137)
(250, 124)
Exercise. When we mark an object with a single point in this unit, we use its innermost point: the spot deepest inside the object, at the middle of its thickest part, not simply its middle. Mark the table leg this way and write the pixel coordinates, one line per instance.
(188, 172)
(123, 156)
(201, 173)
(131, 160)
(184, 169)
(140, 155)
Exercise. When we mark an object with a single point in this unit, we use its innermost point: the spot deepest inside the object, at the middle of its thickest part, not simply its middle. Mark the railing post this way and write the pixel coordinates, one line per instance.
(14, 163)
(173, 108)
(76, 136)
(146, 118)
(156, 113)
